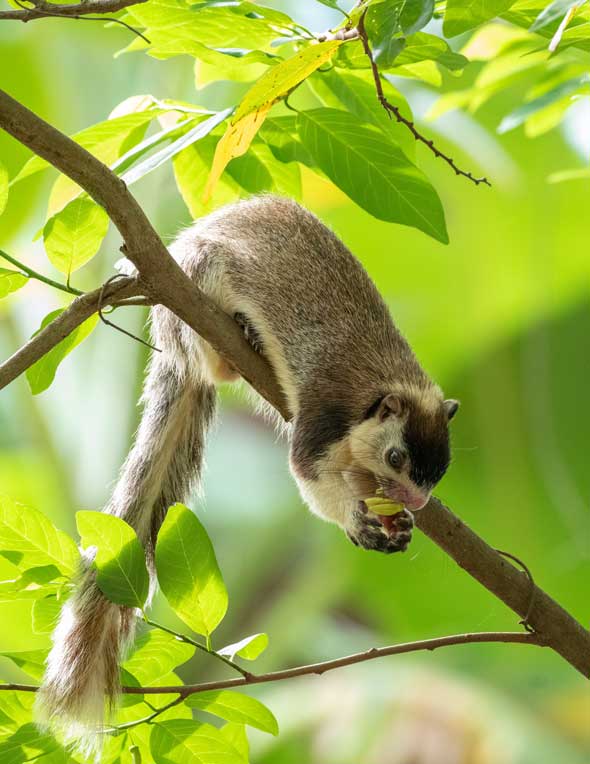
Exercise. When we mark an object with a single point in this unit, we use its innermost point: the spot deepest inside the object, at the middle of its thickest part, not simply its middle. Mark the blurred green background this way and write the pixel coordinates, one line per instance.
(500, 318)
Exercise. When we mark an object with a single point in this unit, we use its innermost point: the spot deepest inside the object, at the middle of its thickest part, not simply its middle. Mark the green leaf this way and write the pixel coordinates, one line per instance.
(582, 173)
(280, 134)
(155, 655)
(357, 95)
(249, 647)
(235, 707)
(73, 236)
(3, 187)
(120, 558)
(188, 572)
(391, 20)
(372, 170)
(184, 740)
(428, 47)
(192, 135)
(235, 65)
(42, 373)
(235, 735)
(562, 91)
(44, 614)
(176, 27)
(555, 11)
(106, 140)
(462, 15)
(191, 170)
(32, 662)
(11, 281)
(27, 743)
(27, 531)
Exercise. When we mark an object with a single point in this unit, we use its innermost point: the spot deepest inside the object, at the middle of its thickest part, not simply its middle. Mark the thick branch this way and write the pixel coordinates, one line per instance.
(77, 10)
(164, 278)
(325, 666)
(169, 285)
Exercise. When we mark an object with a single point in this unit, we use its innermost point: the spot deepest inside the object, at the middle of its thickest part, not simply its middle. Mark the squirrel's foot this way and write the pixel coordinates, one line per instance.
(386, 534)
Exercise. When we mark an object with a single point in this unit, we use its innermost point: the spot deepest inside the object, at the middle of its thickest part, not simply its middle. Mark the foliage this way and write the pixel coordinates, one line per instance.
(28, 539)
(305, 107)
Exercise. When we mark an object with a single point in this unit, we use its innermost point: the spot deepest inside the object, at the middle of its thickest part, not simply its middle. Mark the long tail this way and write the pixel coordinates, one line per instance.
(81, 683)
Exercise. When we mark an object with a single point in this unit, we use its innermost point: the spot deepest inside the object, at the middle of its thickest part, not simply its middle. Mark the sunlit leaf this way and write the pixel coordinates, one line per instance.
(235, 707)
(28, 743)
(251, 113)
(106, 140)
(357, 95)
(120, 558)
(155, 655)
(249, 647)
(11, 281)
(234, 142)
(235, 735)
(32, 662)
(27, 531)
(523, 112)
(372, 170)
(73, 236)
(565, 175)
(188, 572)
(183, 740)
(44, 614)
(42, 373)
(462, 15)
(166, 154)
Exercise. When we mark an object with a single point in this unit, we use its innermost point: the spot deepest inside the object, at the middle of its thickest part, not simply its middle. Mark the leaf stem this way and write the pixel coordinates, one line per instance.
(204, 648)
(39, 276)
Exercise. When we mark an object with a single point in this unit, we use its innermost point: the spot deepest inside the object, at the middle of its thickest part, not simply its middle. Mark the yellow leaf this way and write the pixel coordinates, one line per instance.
(234, 143)
(276, 83)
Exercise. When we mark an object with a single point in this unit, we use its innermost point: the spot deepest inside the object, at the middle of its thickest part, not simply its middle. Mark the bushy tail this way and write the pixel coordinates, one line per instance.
(81, 683)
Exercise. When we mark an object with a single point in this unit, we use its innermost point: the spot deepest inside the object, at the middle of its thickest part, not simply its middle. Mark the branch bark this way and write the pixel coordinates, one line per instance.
(75, 314)
(169, 285)
(43, 10)
(321, 668)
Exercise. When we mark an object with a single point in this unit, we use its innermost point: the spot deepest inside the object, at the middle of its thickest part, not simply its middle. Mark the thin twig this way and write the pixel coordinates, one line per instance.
(507, 637)
(392, 109)
(183, 638)
(39, 276)
(116, 326)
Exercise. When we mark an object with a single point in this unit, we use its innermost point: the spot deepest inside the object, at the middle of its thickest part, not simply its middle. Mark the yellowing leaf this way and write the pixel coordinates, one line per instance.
(233, 143)
(3, 187)
(251, 113)
(282, 78)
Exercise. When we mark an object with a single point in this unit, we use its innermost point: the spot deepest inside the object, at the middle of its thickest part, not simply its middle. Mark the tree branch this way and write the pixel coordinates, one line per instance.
(392, 109)
(75, 314)
(323, 667)
(43, 9)
(168, 284)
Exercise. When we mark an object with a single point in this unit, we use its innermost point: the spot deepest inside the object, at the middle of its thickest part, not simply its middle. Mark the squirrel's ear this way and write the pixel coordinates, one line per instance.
(391, 405)
(451, 407)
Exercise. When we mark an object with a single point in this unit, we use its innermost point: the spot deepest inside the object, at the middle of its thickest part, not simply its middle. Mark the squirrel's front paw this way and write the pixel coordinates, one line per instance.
(388, 534)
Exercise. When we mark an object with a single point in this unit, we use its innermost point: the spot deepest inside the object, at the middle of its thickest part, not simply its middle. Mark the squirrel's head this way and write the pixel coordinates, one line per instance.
(404, 443)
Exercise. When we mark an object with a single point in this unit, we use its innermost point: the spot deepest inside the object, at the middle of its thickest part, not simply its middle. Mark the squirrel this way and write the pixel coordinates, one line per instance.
(365, 416)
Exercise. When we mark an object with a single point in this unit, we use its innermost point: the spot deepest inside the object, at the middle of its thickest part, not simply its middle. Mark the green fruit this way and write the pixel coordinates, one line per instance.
(382, 506)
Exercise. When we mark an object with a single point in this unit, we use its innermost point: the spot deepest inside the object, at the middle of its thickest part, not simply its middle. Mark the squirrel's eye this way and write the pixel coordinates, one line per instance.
(396, 458)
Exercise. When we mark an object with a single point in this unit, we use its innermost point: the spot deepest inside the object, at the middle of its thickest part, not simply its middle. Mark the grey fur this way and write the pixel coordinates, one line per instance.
(307, 304)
